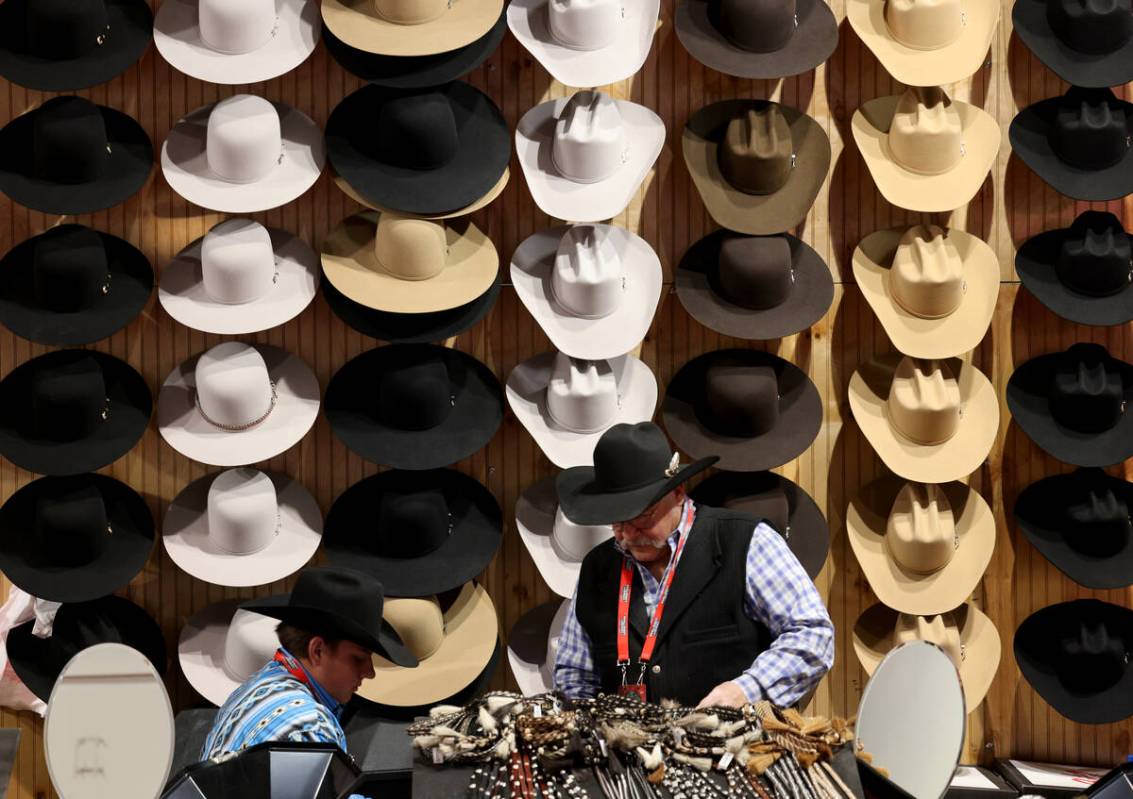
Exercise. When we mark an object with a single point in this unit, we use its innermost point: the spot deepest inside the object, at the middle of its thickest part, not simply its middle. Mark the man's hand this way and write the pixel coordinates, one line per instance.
(726, 694)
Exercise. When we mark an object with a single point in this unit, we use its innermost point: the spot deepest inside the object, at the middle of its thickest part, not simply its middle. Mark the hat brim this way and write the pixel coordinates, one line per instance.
(867, 519)
(814, 39)
(569, 200)
(698, 289)
(953, 459)
(527, 646)
(943, 337)
(1089, 70)
(535, 521)
(125, 551)
(476, 413)
(130, 407)
(1035, 263)
(358, 24)
(184, 428)
(130, 23)
(800, 415)
(471, 208)
(125, 171)
(476, 531)
(200, 650)
(177, 35)
(755, 214)
(620, 331)
(527, 396)
(131, 281)
(583, 502)
(915, 191)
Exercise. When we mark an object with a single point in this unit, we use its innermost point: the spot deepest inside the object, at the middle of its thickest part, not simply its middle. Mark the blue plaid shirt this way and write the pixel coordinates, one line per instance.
(779, 594)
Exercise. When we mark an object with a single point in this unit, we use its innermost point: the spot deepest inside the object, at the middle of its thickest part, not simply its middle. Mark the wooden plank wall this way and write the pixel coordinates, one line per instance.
(1012, 205)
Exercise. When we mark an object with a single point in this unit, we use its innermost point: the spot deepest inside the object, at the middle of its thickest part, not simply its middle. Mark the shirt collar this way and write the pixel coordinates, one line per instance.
(316, 687)
(688, 516)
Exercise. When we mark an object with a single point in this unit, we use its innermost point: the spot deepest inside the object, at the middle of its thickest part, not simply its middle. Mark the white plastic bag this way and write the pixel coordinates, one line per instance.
(20, 607)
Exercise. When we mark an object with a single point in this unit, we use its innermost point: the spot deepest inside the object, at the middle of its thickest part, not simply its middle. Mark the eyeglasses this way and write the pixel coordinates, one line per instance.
(646, 518)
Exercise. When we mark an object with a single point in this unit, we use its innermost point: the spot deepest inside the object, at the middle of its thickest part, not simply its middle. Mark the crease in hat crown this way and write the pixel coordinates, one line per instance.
(419, 622)
(243, 511)
(920, 532)
(572, 541)
(1096, 256)
(63, 29)
(238, 264)
(244, 139)
(940, 629)
(1099, 522)
(237, 28)
(411, 12)
(1095, 27)
(927, 275)
(409, 248)
(234, 391)
(249, 642)
(757, 26)
(757, 154)
(590, 142)
(925, 24)
(1091, 129)
(926, 135)
(585, 25)
(1085, 394)
(582, 396)
(924, 404)
(588, 279)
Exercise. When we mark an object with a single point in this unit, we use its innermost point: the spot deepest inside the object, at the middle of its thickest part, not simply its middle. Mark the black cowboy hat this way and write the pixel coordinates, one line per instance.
(338, 602)
(72, 411)
(70, 156)
(1076, 656)
(64, 45)
(72, 285)
(1087, 43)
(420, 533)
(425, 151)
(414, 406)
(634, 467)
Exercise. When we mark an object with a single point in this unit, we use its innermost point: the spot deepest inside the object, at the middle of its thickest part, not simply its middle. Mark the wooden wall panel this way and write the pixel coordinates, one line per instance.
(1011, 206)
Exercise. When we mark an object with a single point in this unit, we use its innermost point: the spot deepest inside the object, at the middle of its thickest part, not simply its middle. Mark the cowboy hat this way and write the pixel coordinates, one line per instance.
(934, 290)
(237, 403)
(752, 409)
(72, 285)
(756, 39)
(585, 42)
(400, 264)
(222, 645)
(593, 289)
(246, 42)
(70, 156)
(555, 543)
(419, 532)
(633, 467)
(1078, 143)
(64, 45)
(74, 538)
(410, 27)
(757, 165)
(923, 547)
(754, 287)
(925, 151)
(480, 202)
(1073, 404)
(566, 403)
(533, 644)
(242, 527)
(1083, 272)
(240, 277)
(929, 420)
(1087, 44)
(414, 406)
(924, 43)
(419, 152)
(243, 154)
(584, 157)
(72, 411)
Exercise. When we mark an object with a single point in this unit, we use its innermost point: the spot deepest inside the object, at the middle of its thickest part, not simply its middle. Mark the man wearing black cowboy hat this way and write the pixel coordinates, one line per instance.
(738, 622)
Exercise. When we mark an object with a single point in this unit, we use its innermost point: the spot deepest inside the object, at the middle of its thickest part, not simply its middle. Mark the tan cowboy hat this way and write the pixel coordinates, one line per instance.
(934, 290)
(925, 151)
(492, 194)
(410, 27)
(402, 264)
(965, 634)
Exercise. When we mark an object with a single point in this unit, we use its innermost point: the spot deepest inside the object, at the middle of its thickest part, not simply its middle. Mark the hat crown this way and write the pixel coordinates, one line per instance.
(739, 398)
(571, 541)
(1090, 129)
(1085, 394)
(920, 533)
(758, 26)
(582, 396)
(926, 134)
(411, 12)
(1091, 26)
(70, 271)
(588, 277)
(415, 130)
(69, 140)
(584, 24)
(410, 249)
(68, 397)
(249, 643)
(940, 629)
(414, 520)
(233, 386)
(243, 511)
(924, 24)
(71, 522)
(629, 456)
(1098, 521)
(62, 29)
(343, 594)
(419, 622)
(1096, 258)
(756, 272)
(237, 262)
(924, 401)
(415, 393)
(244, 139)
(757, 156)
(771, 505)
(1093, 655)
(85, 626)
(590, 140)
(234, 28)
(927, 276)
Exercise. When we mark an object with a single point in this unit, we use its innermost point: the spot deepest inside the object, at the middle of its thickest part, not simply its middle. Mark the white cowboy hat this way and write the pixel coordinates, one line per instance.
(556, 544)
(222, 645)
(532, 645)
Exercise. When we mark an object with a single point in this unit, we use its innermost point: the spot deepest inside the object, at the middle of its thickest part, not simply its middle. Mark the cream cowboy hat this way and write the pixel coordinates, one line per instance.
(222, 645)
(533, 644)
(410, 27)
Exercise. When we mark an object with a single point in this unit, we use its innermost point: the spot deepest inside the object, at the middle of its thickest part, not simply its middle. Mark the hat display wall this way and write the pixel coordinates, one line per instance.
(64, 45)
(926, 151)
(754, 39)
(566, 404)
(934, 290)
(1078, 143)
(929, 420)
(74, 538)
(586, 42)
(923, 547)
(1087, 44)
(242, 527)
(245, 42)
(72, 285)
(222, 645)
(533, 644)
(70, 156)
(237, 403)
(1084, 272)
(754, 287)
(410, 27)
(757, 165)
(1076, 656)
(414, 406)
(72, 411)
(584, 157)
(243, 154)
(593, 289)
(419, 532)
(240, 277)
(751, 408)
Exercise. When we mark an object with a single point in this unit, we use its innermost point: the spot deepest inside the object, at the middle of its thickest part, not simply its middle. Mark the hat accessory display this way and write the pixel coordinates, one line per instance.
(1087, 43)
(222, 645)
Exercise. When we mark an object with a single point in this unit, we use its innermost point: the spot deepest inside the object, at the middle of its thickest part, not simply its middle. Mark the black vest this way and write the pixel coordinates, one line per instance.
(705, 637)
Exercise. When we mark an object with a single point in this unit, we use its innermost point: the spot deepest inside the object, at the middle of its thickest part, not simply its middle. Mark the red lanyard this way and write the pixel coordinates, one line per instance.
(293, 667)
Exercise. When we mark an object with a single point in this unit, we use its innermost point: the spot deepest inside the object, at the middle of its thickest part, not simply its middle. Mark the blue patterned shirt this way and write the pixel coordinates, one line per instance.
(778, 594)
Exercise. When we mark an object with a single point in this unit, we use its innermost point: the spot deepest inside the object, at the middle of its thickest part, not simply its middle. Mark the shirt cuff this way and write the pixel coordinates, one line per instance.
(750, 687)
